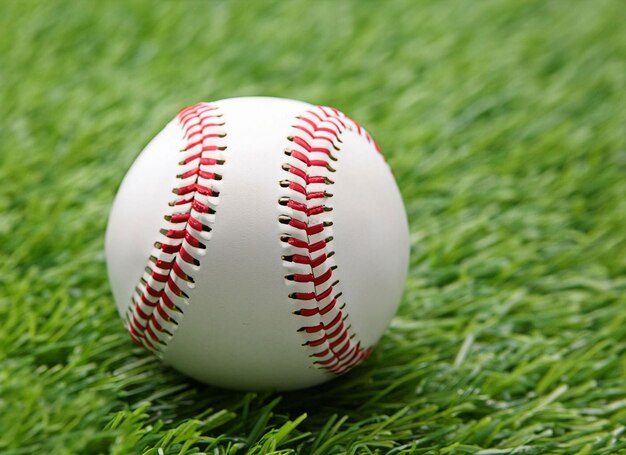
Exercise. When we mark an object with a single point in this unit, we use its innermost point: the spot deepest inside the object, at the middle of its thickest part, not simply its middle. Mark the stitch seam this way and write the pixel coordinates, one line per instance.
(306, 212)
(158, 302)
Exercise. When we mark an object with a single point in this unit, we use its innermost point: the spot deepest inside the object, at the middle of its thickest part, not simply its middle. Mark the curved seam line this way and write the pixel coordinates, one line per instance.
(341, 349)
(156, 306)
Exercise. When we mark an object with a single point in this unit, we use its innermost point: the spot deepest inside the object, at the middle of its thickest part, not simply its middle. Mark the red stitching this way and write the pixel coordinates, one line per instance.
(156, 306)
(316, 134)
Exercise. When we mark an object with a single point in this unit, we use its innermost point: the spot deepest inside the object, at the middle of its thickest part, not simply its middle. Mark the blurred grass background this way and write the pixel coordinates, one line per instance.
(504, 123)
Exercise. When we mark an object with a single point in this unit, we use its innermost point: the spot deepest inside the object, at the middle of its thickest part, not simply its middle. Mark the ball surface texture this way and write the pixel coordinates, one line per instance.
(258, 243)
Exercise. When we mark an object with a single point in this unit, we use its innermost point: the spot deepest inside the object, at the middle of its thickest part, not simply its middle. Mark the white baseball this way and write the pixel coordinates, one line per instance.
(258, 243)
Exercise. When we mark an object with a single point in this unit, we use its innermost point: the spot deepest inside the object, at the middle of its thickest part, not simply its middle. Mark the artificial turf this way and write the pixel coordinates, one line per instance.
(505, 125)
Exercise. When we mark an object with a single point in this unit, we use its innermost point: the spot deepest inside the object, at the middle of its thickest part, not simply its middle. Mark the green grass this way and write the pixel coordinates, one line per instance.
(505, 125)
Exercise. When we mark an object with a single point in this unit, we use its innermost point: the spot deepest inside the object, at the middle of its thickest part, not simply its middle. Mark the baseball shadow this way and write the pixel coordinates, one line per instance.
(171, 398)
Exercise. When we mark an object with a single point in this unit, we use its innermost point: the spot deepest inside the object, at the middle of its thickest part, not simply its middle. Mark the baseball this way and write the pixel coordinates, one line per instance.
(258, 243)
